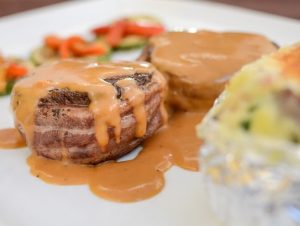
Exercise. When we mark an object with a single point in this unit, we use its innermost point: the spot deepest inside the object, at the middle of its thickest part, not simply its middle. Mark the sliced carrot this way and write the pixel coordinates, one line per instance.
(75, 39)
(85, 49)
(94, 49)
(52, 41)
(15, 71)
(102, 30)
(116, 33)
(143, 30)
(64, 51)
(74, 42)
(78, 48)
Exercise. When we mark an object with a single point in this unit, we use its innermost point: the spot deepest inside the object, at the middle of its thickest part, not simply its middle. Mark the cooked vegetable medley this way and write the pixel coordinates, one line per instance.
(11, 69)
(122, 34)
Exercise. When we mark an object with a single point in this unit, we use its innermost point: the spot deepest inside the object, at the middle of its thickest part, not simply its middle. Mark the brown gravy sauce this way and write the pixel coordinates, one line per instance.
(136, 99)
(11, 138)
(214, 55)
(137, 179)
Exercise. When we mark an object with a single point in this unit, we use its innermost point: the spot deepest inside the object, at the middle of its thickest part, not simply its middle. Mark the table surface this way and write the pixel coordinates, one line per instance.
(289, 8)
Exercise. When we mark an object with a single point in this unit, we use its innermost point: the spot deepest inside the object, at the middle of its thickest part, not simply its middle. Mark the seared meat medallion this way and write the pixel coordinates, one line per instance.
(89, 113)
(198, 64)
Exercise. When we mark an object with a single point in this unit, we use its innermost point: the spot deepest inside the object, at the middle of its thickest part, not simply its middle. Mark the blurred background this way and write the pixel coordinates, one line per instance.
(288, 8)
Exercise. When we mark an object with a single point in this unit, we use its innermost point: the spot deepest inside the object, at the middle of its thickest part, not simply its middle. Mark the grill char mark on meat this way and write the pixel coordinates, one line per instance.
(65, 97)
(140, 79)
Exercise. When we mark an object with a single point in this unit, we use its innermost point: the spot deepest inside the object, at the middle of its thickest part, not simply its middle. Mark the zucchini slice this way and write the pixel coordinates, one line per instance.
(41, 55)
(131, 42)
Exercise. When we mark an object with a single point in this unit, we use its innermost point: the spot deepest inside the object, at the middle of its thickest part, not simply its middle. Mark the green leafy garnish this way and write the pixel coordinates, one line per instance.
(8, 88)
(246, 124)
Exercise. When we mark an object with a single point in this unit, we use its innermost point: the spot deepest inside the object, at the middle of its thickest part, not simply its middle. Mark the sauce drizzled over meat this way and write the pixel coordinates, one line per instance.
(215, 55)
(137, 179)
(198, 64)
(84, 78)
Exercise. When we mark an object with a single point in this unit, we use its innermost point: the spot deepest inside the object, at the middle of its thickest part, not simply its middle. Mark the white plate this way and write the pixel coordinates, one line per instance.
(27, 201)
